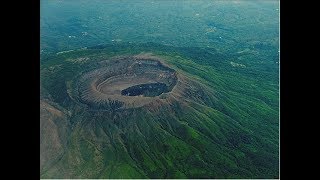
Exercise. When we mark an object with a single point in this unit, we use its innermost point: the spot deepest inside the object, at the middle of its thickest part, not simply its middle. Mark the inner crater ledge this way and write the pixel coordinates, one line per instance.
(131, 81)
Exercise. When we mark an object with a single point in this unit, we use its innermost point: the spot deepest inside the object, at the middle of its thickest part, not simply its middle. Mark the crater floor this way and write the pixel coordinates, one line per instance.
(133, 81)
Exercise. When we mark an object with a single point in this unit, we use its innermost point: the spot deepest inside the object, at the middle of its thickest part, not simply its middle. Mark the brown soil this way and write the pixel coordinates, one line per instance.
(54, 128)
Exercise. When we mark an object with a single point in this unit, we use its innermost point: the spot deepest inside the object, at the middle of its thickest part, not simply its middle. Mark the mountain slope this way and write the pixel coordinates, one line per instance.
(222, 122)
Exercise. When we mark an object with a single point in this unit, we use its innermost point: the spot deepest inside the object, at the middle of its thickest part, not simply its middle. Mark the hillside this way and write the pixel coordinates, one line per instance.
(154, 111)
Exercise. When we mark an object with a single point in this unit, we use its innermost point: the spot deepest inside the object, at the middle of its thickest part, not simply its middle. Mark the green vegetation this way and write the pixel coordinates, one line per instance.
(226, 123)
(230, 131)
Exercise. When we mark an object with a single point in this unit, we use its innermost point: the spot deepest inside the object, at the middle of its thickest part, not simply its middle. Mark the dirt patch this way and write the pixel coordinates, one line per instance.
(54, 129)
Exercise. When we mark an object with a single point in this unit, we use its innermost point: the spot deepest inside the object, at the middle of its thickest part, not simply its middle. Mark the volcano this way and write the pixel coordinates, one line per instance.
(134, 81)
(151, 115)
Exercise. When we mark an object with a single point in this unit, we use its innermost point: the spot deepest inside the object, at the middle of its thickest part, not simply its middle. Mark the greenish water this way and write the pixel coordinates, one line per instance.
(148, 90)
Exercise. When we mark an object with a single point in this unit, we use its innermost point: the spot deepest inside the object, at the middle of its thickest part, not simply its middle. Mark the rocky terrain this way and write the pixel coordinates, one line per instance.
(107, 82)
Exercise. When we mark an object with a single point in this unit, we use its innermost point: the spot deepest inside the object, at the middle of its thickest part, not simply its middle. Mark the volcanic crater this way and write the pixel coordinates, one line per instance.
(132, 81)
